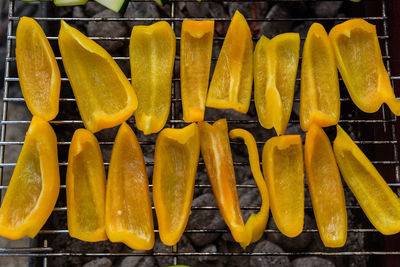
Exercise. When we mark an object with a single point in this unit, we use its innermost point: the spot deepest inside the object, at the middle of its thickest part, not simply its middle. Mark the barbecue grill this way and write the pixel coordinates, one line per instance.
(376, 134)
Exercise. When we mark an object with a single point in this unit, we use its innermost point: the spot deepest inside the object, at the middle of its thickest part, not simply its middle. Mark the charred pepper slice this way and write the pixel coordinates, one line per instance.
(275, 68)
(359, 59)
(129, 218)
(38, 71)
(34, 186)
(231, 84)
(320, 97)
(326, 188)
(283, 169)
(216, 152)
(86, 184)
(175, 164)
(196, 50)
(375, 197)
(152, 55)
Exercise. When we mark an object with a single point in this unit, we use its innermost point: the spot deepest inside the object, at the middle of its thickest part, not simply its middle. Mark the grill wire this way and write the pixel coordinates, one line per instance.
(383, 121)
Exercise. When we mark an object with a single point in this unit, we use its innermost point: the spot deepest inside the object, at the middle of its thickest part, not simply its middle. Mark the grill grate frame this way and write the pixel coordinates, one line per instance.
(385, 119)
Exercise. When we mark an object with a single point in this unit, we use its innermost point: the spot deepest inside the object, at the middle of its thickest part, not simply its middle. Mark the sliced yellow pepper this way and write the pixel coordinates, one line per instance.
(320, 97)
(283, 169)
(152, 54)
(175, 163)
(216, 152)
(275, 68)
(359, 59)
(34, 186)
(38, 71)
(231, 84)
(129, 217)
(256, 223)
(326, 188)
(196, 50)
(104, 95)
(375, 197)
(86, 182)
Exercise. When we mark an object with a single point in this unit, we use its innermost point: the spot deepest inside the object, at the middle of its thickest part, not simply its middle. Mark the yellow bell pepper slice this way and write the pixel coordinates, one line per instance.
(196, 50)
(104, 95)
(275, 68)
(38, 71)
(129, 217)
(283, 169)
(359, 59)
(231, 84)
(320, 97)
(86, 182)
(216, 152)
(256, 223)
(152, 55)
(375, 197)
(175, 163)
(34, 186)
(326, 188)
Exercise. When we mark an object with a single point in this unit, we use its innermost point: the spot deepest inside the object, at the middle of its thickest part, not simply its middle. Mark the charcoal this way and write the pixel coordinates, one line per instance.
(92, 8)
(140, 10)
(108, 29)
(204, 219)
(312, 262)
(298, 243)
(266, 261)
(326, 9)
(147, 261)
(184, 245)
(273, 28)
(232, 246)
(209, 249)
(244, 8)
(78, 12)
(100, 262)
(249, 197)
(138, 261)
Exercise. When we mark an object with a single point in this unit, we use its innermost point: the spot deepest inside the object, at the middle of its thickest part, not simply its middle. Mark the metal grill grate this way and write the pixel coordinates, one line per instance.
(374, 133)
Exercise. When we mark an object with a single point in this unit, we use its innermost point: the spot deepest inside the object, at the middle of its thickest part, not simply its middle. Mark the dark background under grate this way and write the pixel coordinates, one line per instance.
(204, 242)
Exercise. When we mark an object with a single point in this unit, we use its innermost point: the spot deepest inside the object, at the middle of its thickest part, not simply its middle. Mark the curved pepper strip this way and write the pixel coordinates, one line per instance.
(86, 184)
(216, 152)
(34, 55)
(231, 84)
(196, 50)
(152, 56)
(175, 163)
(34, 186)
(104, 96)
(326, 188)
(375, 197)
(275, 68)
(129, 217)
(283, 169)
(359, 59)
(320, 97)
(256, 223)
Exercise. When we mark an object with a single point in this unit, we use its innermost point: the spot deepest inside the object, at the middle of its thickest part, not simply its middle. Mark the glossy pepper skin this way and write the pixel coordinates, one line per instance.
(283, 169)
(104, 96)
(196, 49)
(86, 184)
(34, 186)
(152, 55)
(129, 217)
(175, 163)
(320, 97)
(359, 59)
(38, 71)
(375, 197)
(326, 188)
(256, 223)
(216, 152)
(275, 68)
(231, 84)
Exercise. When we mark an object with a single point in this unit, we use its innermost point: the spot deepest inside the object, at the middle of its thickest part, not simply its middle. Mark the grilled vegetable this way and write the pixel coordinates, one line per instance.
(38, 71)
(34, 186)
(118, 6)
(70, 2)
(359, 59)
